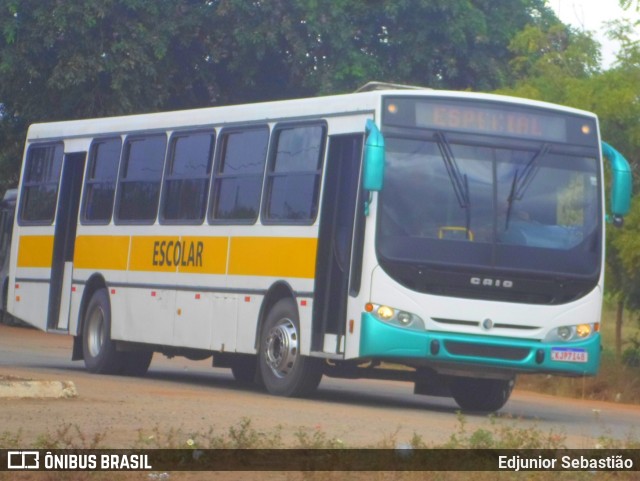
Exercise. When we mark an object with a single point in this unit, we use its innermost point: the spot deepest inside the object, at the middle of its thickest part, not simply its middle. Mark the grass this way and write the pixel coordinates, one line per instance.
(497, 434)
(615, 381)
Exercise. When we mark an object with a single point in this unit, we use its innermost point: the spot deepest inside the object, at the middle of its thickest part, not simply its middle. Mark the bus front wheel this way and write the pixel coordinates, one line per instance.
(481, 395)
(99, 351)
(285, 371)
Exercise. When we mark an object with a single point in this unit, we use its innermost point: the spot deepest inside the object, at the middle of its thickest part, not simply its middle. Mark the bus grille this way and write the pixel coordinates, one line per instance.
(495, 352)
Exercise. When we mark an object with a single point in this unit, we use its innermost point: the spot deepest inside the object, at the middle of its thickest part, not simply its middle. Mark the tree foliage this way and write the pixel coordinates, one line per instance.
(65, 60)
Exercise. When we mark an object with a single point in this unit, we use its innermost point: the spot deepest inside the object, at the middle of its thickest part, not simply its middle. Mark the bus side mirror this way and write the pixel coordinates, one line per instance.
(620, 184)
(373, 171)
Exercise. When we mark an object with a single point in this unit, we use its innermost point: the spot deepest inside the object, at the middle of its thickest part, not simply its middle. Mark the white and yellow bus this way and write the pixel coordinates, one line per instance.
(459, 234)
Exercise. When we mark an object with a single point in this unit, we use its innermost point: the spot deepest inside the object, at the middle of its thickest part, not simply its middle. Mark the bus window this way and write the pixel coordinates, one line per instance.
(293, 180)
(100, 184)
(186, 184)
(238, 175)
(139, 189)
(40, 184)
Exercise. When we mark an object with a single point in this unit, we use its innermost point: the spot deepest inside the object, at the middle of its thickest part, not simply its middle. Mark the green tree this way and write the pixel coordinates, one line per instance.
(64, 60)
(630, 4)
(561, 65)
(615, 99)
(306, 47)
(549, 62)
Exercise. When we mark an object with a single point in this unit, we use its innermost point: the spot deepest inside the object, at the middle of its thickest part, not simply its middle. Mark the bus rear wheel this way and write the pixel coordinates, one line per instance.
(136, 363)
(481, 395)
(99, 351)
(285, 371)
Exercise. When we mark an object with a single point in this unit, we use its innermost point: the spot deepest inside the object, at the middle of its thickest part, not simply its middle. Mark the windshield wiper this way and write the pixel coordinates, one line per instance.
(458, 180)
(521, 181)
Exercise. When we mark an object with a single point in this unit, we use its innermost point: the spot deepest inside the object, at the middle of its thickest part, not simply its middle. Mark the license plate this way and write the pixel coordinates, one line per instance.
(569, 355)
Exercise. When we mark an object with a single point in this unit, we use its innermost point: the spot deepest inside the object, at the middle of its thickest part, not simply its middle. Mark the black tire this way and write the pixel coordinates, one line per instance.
(99, 351)
(481, 395)
(136, 363)
(285, 372)
(244, 369)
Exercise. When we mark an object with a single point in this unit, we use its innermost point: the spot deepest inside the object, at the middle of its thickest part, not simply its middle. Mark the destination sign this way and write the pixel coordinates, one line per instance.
(485, 118)
(494, 121)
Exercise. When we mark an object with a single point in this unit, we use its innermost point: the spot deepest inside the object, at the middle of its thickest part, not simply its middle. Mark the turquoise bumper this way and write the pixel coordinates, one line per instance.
(385, 341)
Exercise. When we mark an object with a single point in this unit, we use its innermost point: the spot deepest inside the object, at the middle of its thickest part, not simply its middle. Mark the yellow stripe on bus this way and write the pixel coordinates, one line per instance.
(273, 256)
(101, 252)
(248, 256)
(35, 251)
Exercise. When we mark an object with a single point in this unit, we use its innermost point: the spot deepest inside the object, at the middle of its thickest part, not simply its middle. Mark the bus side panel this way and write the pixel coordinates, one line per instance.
(32, 253)
(224, 320)
(305, 311)
(248, 315)
(193, 323)
(149, 314)
(30, 301)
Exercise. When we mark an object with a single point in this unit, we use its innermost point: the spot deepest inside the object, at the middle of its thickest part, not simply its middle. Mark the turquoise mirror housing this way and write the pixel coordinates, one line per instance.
(373, 171)
(621, 181)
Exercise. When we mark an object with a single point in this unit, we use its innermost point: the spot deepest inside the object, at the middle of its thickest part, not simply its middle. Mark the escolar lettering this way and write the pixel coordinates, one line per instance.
(178, 253)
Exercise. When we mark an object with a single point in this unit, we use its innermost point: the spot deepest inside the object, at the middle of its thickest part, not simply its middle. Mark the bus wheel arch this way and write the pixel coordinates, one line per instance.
(98, 349)
(94, 283)
(283, 369)
(279, 290)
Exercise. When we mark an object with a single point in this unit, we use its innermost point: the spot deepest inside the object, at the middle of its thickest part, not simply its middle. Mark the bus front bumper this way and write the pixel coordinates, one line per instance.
(380, 340)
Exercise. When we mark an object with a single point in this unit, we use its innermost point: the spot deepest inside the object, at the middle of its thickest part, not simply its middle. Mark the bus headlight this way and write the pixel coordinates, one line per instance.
(583, 330)
(577, 332)
(385, 313)
(394, 316)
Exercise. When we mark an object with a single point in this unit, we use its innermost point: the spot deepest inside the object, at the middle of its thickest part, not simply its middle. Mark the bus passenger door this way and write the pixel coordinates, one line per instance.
(64, 241)
(335, 242)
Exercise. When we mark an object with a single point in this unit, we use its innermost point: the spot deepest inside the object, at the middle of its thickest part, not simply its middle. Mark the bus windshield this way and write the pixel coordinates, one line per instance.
(460, 202)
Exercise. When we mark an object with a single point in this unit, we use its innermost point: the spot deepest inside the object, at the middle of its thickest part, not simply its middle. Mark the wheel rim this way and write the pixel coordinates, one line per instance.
(95, 332)
(281, 347)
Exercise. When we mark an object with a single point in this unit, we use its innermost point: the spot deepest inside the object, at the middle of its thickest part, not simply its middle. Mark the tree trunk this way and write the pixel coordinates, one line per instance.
(619, 319)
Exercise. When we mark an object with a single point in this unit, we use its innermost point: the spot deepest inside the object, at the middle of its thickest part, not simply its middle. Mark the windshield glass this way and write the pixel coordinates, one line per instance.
(456, 200)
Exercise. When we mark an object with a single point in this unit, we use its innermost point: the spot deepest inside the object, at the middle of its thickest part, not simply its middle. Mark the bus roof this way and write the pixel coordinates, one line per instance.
(295, 109)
